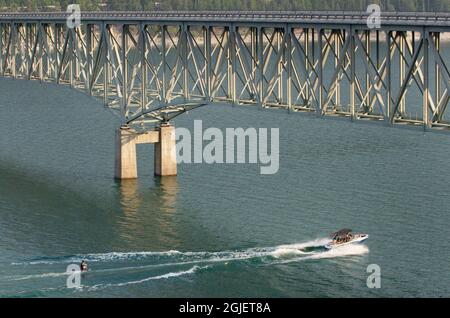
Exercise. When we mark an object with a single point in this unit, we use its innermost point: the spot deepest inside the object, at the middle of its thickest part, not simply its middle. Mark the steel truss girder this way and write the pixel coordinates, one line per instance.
(148, 73)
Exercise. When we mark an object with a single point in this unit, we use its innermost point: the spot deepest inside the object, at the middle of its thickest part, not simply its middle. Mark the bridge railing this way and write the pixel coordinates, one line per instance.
(284, 16)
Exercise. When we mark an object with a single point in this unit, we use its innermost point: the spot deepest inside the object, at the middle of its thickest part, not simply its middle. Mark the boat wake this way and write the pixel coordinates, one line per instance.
(191, 270)
(136, 266)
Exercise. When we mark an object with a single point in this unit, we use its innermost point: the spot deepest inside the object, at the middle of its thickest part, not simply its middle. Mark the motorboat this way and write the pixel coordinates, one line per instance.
(345, 237)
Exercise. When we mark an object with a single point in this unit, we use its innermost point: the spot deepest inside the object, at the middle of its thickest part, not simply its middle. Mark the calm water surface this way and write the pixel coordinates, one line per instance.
(217, 230)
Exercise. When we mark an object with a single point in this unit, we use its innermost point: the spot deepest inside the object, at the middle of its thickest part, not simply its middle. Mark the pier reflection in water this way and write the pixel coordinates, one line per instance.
(148, 210)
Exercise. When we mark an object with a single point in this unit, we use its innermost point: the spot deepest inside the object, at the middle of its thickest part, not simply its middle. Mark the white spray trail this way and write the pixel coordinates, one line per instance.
(280, 254)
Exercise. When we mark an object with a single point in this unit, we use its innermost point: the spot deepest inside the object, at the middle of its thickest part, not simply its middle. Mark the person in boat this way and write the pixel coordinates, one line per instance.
(84, 266)
(342, 237)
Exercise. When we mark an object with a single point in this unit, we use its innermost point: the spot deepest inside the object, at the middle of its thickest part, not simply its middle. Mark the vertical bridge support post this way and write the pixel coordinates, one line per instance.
(125, 161)
(165, 151)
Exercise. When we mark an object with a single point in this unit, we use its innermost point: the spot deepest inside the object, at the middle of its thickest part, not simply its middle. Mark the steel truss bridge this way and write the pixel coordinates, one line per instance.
(148, 67)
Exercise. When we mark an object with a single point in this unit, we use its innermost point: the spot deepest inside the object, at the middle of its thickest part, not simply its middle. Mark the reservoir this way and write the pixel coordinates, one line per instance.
(217, 230)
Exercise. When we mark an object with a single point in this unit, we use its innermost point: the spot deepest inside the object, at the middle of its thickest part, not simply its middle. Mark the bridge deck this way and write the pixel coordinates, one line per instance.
(301, 17)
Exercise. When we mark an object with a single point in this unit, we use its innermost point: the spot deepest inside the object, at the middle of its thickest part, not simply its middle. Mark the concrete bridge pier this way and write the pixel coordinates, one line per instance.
(165, 163)
(125, 161)
(166, 152)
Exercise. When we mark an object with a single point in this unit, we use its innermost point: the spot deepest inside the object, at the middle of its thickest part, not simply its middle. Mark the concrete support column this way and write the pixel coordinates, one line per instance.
(125, 162)
(165, 152)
